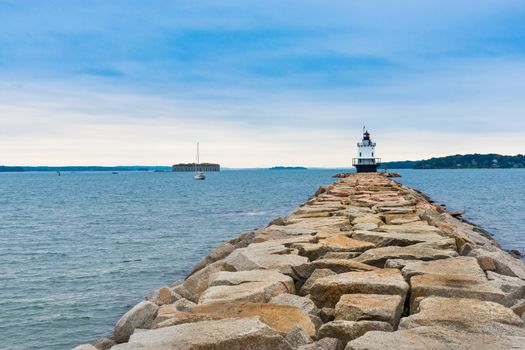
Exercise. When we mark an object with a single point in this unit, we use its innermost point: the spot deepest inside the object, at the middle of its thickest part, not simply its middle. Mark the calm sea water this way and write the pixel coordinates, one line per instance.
(77, 251)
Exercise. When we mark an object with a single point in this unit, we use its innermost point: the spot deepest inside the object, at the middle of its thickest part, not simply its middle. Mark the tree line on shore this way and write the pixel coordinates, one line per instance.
(467, 161)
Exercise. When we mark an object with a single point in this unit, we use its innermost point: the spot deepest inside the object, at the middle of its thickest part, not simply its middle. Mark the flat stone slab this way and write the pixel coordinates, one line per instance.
(413, 227)
(280, 317)
(226, 278)
(316, 274)
(330, 224)
(232, 334)
(196, 284)
(275, 232)
(453, 286)
(370, 307)
(395, 210)
(266, 255)
(368, 219)
(383, 239)
(254, 292)
(378, 256)
(140, 316)
(434, 338)
(366, 226)
(334, 243)
(348, 330)
(336, 265)
(326, 291)
(342, 243)
(305, 304)
(354, 212)
(461, 265)
(400, 219)
(465, 315)
(317, 210)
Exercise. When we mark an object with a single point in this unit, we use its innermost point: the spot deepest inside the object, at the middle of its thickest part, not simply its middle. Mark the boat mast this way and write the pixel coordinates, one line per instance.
(197, 163)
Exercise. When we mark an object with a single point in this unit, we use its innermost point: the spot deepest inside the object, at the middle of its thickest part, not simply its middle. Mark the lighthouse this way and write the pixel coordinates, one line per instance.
(366, 162)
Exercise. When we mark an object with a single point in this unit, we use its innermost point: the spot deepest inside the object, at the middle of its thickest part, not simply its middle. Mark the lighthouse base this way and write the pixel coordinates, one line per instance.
(366, 168)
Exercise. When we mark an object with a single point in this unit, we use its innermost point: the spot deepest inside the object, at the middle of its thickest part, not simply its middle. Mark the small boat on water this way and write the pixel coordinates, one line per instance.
(199, 175)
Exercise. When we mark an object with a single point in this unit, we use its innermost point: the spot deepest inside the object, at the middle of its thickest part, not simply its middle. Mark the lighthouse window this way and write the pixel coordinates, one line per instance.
(359, 154)
(372, 154)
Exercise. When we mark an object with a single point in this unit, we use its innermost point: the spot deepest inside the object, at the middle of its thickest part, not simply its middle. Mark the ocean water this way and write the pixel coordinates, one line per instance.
(77, 251)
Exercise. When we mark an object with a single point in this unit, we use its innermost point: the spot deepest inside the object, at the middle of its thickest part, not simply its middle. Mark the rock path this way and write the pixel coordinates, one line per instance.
(366, 263)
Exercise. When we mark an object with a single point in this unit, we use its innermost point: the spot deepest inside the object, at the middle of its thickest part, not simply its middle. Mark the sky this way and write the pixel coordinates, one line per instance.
(258, 83)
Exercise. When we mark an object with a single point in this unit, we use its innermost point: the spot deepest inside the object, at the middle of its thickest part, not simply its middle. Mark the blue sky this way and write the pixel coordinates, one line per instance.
(258, 83)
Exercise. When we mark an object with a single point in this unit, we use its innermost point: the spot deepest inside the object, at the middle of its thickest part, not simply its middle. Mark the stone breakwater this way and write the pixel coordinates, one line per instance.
(366, 263)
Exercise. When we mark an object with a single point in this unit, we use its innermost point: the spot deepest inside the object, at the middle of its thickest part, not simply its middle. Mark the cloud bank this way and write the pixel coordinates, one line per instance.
(258, 84)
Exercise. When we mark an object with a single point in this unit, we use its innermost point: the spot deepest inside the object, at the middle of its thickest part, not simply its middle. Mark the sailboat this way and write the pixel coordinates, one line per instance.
(199, 175)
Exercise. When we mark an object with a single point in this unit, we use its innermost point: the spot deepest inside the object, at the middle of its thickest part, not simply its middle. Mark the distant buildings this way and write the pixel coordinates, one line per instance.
(191, 167)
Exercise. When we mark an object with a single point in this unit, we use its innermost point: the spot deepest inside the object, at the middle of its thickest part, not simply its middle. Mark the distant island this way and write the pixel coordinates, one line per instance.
(18, 169)
(458, 161)
(288, 168)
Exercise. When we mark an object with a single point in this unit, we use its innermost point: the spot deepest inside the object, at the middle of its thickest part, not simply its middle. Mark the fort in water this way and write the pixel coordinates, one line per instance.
(192, 167)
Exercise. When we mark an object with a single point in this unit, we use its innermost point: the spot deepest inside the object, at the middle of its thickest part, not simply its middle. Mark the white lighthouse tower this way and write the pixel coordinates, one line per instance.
(366, 162)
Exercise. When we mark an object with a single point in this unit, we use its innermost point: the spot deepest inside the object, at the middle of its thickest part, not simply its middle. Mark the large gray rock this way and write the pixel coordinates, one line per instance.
(348, 330)
(196, 284)
(395, 210)
(254, 292)
(140, 316)
(365, 219)
(413, 227)
(513, 287)
(434, 338)
(163, 296)
(316, 274)
(326, 291)
(305, 304)
(454, 286)
(332, 224)
(365, 226)
(232, 334)
(383, 239)
(502, 262)
(297, 337)
(304, 271)
(226, 278)
(85, 347)
(370, 307)
(519, 308)
(378, 256)
(216, 254)
(461, 265)
(104, 343)
(324, 344)
(465, 315)
(281, 318)
(284, 233)
(266, 255)
(168, 311)
(354, 212)
(400, 219)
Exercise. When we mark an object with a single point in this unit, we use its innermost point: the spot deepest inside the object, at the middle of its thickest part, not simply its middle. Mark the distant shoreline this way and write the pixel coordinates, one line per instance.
(167, 169)
(459, 161)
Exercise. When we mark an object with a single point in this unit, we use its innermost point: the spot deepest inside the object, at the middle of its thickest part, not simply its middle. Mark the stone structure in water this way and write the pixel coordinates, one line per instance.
(192, 167)
(366, 263)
